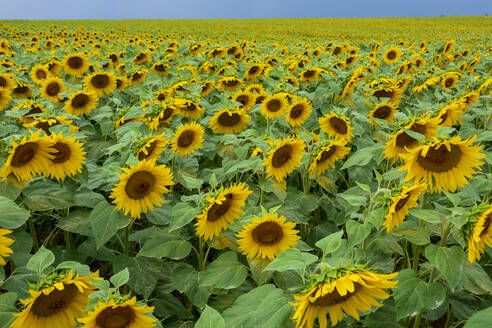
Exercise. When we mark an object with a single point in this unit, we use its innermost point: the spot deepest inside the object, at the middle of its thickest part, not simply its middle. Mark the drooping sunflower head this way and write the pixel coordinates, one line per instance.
(448, 47)
(143, 57)
(222, 208)
(274, 106)
(227, 121)
(405, 199)
(284, 156)
(75, 64)
(138, 77)
(81, 103)
(101, 83)
(325, 156)
(450, 114)
(230, 83)
(188, 138)
(39, 73)
(34, 109)
(68, 157)
(336, 126)
(7, 81)
(310, 74)
(349, 289)
(141, 187)
(383, 111)
(443, 164)
(392, 93)
(298, 112)
(477, 231)
(150, 148)
(392, 55)
(188, 108)
(5, 242)
(121, 83)
(267, 236)
(22, 90)
(207, 87)
(5, 97)
(160, 68)
(56, 302)
(246, 99)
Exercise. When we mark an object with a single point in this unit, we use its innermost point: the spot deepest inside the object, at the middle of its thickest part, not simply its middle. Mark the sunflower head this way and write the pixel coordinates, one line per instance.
(477, 231)
(336, 126)
(5, 97)
(75, 64)
(392, 55)
(81, 103)
(284, 156)
(324, 156)
(227, 121)
(383, 111)
(207, 87)
(188, 138)
(5, 242)
(230, 83)
(298, 112)
(68, 157)
(188, 108)
(274, 106)
(404, 198)
(150, 148)
(39, 73)
(246, 99)
(101, 83)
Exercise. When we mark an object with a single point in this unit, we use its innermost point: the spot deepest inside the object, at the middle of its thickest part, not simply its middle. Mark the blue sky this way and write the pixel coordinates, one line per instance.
(141, 9)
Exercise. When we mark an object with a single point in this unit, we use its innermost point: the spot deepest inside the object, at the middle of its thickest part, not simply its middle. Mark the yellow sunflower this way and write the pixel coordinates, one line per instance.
(163, 117)
(401, 203)
(326, 156)
(81, 102)
(394, 94)
(222, 208)
(449, 80)
(101, 83)
(336, 126)
(123, 314)
(383, 111)
(151, 148)
(160, 68)
(266, 237)
(207, 87)
(39, 73)
(392, 55)
(22, 90)
(7, 81)
(141, 187)
(5, 98)
(227, 121)
(5, 242)
(310, 75)
(51, 89)
(28, 157)
(56, 304)
(75, 64)
(298, 112)
(69, 157)
(450, 114)
(246, 99)
(254, 71)
(230, 83)
(342, 290)
(443, 164)
(284, 156)
(45, 121)
(274, 106)
(121, 83)
(188, 138)
(188, 108)
(138, 77)
(478, 231)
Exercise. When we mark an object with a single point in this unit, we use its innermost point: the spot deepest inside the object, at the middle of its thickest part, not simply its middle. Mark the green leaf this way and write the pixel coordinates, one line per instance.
(166, 305)
(213, 181)
(225, 272)
(409, 294)
(210, 318)
(475, 279)
(191, 182)
(11, 215)
(414, 134)
(9, 190)
(357, 232)
(41, 260)
(291, 259)
(144, 273)
(480, 319)
(105, 221)
(330, 243)
(120, 278)
(360, 158)
(431, 216)
(415, 235)
(45, 195)
(265, 306)
(182, 214)
(449, 261)
(7, 308)
(173, 249)
(435, 296)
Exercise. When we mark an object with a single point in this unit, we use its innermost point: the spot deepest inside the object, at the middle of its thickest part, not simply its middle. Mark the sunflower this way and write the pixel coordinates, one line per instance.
(22, 90)
(188, 108)
(310, 75)
(138, 77)
(69, 157)
(142, 58)
(401, 142)
(346, 289)
(448, 47)
(101, 83)
(443, 164)
(292, 80)
(164, 116)
(207, 87)
(284, 157)
(401, 203)
(188, 138)
(39, 73)
(7, 81)
(227, 121)
(160, 68)
(54, 67)
(141, 187)
(45, 121)
(75, 64)
(246, 99)
(299, 111)
(254, 71)
(274, 106)
(478, 231)
(51, 89)
(230, 83)
(28, 157)
(450, 114)
(266, 237)
(119, 314)
(5, 242)
(57, 303)
(450, 80)
(383, 111)
(394, 94)
(222, 208)
(336, 126)
(5, 98)
(151, 148)
(81, 102)
(326, 155)
(392, 55)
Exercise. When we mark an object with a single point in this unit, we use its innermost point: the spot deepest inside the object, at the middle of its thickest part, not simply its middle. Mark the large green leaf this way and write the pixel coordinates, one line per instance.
(11, 215)
(409, 294)
(173, 249)
(225, 272)
(480, 319)
(182, 214)
(291, 259)
(331, 242)
(41, 260)
(7, 308)
(210, 318)
(144, 273)
(357, 232)
(106, 220)
(449, 261)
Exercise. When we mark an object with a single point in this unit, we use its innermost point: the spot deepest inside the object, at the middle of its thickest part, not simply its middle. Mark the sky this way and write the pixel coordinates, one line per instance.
(191, 9)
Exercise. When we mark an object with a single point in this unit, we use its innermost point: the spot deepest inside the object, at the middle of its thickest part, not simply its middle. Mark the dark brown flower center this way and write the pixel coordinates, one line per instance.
(229, 119)
(486, 225)
(231, 83)
(118, 317)
(54, 302)
(62, 154)
(296, 111)
(268, 233)
(41, 74)
(190, 107)
(24, 154)
(274, 105)
(439, 159)
(253, 70)
(382, 112)
(167, 112)
(309, 73)
(140, 56)
(259, 99)
(338, 125)
(140, 184)
(21, 90)
(75, 62)
(402, 202)
(282, 156)
(448, 82)
(243, 99)
(160, 68)
(334, 297)
(186, 138)
(3, 82)
(80, 100)
(100, 81)
(391, 55)
(404, 140)
(383, 93)
(52, 89)
(150, 149)
(326, 154)
(217, 211)
(113, 58)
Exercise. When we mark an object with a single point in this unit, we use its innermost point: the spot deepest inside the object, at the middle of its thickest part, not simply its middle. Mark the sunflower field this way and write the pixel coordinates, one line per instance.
(246, 173)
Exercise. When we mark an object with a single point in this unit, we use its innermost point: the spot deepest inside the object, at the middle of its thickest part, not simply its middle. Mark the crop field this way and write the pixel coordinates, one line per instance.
(246, 173)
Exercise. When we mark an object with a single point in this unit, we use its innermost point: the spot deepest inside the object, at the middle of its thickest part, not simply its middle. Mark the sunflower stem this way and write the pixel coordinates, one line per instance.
(32, 231)
(201, 263)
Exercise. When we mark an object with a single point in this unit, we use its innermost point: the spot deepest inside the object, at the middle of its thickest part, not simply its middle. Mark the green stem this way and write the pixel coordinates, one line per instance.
(416, 323)
(32, 231)
(416, 256)
(201, 263)
(68, 239)
(127, 243)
